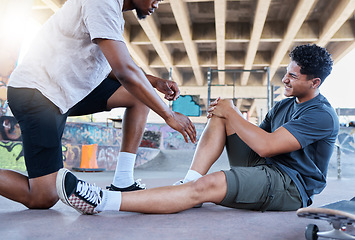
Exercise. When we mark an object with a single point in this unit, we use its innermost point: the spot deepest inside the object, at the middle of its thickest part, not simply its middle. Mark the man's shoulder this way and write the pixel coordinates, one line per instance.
(323, 105)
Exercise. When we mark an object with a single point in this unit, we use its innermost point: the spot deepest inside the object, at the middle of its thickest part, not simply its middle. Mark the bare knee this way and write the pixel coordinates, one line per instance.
(210, 188)
(42, 192)
(203, 184)
(42, 202)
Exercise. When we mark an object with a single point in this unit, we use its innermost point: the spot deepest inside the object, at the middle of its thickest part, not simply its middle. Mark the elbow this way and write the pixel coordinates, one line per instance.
(124, 75)
(265, 152)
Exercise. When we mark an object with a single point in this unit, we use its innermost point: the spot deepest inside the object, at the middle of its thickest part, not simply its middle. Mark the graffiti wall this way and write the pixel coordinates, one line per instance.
(75, 135)
(171, 139)
(90, 133)
(9, 129)
(11, 156)
(101, 134)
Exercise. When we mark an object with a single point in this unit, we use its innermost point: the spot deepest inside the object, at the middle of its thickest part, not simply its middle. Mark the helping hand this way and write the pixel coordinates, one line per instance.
(169, 88)
(183, 125)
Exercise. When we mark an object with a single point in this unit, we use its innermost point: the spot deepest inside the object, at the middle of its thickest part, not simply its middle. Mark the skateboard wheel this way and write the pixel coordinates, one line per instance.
(311, 232)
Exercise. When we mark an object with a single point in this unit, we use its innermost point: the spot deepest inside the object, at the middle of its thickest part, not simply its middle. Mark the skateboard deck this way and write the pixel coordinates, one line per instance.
(341, 215)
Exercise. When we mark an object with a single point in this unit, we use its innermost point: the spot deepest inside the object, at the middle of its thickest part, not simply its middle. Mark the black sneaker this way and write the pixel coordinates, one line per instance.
(82, 196)
(137, 185)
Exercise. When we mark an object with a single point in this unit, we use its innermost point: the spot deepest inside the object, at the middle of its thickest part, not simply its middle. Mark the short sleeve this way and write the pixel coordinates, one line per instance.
(104, 19)
(266, 124)
(313, 125)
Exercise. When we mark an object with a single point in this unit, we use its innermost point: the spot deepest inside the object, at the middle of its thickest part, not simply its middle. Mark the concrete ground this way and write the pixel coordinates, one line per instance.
(209, 222)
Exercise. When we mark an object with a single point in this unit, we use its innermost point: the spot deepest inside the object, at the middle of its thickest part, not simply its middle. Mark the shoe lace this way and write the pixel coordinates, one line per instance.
(139, 184)
(89, 192)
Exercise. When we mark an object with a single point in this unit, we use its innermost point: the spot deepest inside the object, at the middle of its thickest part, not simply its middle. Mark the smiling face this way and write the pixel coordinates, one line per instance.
(145, 7)
(298, 85)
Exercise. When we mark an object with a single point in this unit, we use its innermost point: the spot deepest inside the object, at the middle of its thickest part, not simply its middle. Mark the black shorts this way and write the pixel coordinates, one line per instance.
(42, 124)
(253, 184)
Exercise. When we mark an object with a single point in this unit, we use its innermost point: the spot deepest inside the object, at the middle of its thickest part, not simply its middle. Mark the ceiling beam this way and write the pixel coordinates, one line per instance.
(342, 51)
(136, 53)
(259, 21)
(300, 13)
(153, 33)
(183, 22)
(220, 20)
(341, 14)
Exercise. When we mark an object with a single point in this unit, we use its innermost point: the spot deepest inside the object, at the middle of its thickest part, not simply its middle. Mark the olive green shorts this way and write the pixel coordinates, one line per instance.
(253, 184)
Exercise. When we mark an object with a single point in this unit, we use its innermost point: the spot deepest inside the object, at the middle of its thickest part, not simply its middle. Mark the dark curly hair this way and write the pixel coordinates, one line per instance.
(313, 60)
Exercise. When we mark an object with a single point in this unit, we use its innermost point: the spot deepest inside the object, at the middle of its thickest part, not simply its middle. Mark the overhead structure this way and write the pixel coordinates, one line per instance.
(191, 36)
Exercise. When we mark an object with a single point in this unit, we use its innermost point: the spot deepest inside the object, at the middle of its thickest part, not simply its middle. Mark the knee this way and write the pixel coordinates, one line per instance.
(204, 184)
(42, 202)
(210, 188)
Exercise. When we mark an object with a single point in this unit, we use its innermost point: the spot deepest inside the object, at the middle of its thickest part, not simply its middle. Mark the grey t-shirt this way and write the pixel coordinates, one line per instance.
(315, 125)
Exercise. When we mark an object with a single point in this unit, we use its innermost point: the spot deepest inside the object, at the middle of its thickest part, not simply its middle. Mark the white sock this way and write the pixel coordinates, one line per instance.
(111, 201)
(124, 170)
(191, 175)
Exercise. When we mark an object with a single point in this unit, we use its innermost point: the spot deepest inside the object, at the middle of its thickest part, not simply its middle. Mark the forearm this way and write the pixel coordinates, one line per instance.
(152, 79)
(132, 77)
(255, 137)
(138, 85)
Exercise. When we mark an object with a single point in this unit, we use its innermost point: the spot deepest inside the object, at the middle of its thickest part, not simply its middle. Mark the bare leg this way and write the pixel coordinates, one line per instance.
(39, 193)
(171, 199)
(134, 120)
(211, 145)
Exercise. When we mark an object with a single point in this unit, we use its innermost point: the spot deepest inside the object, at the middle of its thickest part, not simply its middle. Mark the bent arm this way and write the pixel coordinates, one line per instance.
(135, 81)
(132, 77)
(263, 143)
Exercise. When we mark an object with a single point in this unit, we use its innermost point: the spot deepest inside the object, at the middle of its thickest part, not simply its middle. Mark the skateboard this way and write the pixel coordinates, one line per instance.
(341, 215)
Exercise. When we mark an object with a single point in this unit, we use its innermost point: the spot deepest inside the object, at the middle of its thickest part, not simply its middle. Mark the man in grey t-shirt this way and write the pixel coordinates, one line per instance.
(79, 64)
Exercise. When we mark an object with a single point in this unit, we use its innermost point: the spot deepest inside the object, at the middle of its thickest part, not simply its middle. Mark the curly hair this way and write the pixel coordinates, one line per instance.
(314, 61)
